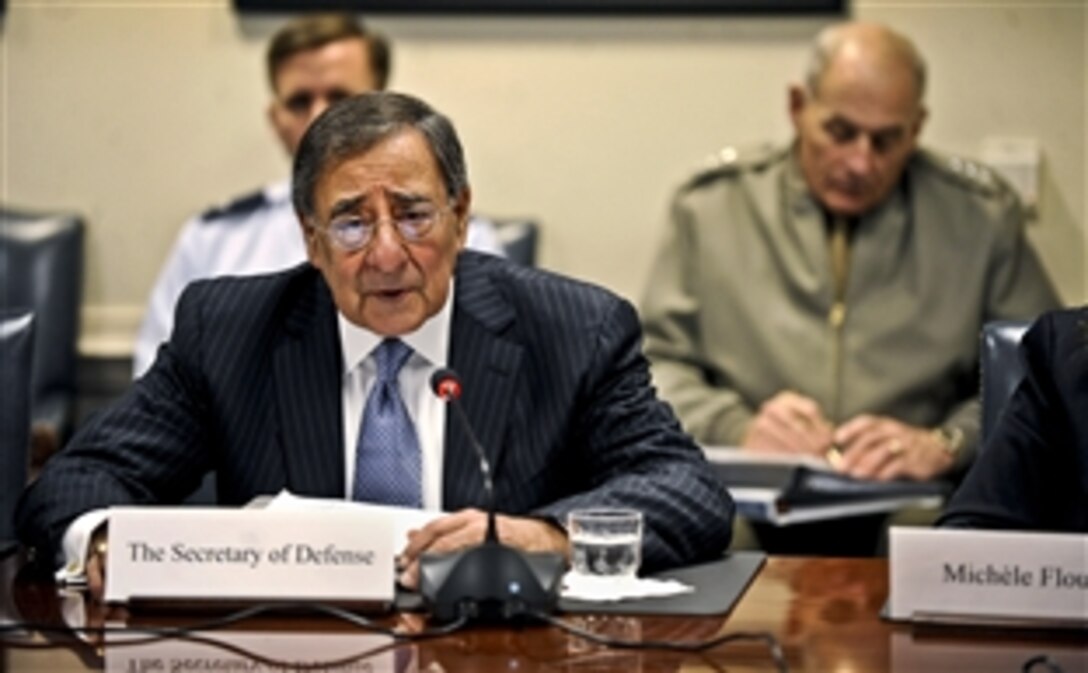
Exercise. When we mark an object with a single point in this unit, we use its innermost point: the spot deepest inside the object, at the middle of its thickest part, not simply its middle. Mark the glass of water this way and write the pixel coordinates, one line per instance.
(605, 543)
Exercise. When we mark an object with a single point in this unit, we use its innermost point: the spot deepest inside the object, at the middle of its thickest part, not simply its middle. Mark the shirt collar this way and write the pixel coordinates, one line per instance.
(431, 341)
(278, 192)
(803, 202)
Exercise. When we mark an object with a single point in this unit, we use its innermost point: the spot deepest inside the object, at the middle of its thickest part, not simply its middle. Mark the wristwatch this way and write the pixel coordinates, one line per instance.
(950, 440)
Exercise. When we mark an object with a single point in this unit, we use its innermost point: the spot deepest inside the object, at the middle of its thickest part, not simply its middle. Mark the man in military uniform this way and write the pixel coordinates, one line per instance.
(312, 62)
(826, 297)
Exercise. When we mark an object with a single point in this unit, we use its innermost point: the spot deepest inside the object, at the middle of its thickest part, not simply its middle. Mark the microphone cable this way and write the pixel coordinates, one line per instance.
(1041, 662)
(777, 655)
(154, 633)
(196, 633)
(219, 644)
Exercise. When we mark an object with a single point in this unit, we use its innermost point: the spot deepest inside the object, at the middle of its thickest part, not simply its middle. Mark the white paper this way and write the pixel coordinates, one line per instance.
(731, 455)
(403, 519)
(577, 586)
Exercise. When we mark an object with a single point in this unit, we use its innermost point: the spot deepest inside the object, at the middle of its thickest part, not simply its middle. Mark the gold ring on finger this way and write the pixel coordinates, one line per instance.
(834, 456)
(895, 447)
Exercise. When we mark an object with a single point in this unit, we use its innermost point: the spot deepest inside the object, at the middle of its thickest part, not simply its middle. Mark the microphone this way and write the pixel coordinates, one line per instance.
(447, 386)
(492, 581)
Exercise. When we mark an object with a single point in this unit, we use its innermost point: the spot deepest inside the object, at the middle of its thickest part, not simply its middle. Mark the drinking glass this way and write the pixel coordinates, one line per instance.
(605, 542)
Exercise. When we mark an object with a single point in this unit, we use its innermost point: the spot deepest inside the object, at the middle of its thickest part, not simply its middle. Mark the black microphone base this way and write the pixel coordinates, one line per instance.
(491, 582)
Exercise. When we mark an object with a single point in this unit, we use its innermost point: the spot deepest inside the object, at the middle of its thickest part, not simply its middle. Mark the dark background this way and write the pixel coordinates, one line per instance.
(550, 6)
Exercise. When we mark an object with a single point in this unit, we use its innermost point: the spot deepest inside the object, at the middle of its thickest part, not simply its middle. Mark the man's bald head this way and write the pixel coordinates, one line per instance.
(858, 115)
(871, 46)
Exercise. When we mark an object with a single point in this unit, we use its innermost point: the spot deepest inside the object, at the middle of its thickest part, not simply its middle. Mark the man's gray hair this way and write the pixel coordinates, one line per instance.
(354, 125)
(830, 41)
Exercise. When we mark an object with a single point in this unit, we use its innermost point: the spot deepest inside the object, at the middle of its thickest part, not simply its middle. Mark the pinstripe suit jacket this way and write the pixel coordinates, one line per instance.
(250, 385)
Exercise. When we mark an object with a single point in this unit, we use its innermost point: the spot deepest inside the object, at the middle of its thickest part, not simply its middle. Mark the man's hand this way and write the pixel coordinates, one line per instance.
(466, 528)
(95, 564)
(789, 423)
(882, 448)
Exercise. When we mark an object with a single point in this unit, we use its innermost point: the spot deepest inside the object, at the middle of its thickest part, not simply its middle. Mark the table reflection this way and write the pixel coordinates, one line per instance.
(272, 644)
(964, 649)
(308, 642)
(828, 613)
(825, 612)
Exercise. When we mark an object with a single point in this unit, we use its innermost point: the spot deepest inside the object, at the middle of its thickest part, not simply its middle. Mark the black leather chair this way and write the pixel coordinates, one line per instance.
(519, 239)
(1002, 369)
(41, 264)
(16, 351)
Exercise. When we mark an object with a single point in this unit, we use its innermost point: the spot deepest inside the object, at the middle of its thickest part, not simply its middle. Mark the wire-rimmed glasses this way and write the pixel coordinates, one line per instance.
(352, 232)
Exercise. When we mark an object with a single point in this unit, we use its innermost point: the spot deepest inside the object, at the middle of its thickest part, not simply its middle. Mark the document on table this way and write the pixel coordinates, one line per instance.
(404, 518)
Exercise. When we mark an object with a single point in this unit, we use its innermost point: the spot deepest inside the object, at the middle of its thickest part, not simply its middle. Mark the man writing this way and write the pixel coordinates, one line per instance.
(312, 62)
(825, 298)
(315, 379)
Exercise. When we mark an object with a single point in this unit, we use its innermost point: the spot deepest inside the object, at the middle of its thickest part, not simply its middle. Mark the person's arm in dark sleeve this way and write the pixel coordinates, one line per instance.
(1025, 475)
(637, 456)
(151, 446)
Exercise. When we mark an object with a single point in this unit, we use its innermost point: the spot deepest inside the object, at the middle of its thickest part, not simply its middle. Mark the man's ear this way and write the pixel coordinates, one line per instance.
(797, 100)
(270, 114)
(273, 114)
(462, 210)
(916, 129)
(309, 236)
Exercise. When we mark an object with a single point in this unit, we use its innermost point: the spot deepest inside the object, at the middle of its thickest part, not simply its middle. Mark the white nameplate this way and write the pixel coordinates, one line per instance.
(970, 576)
(208, 554)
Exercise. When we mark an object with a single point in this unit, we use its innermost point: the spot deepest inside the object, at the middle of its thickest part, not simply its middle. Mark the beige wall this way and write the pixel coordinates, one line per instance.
(140, 114)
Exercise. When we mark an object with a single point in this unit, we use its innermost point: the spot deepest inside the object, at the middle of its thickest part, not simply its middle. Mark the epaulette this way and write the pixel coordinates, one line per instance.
(970, 174)
(733, 160)
(243, 205)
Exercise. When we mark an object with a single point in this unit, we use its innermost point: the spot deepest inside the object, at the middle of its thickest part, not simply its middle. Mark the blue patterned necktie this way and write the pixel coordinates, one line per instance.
(387, 462)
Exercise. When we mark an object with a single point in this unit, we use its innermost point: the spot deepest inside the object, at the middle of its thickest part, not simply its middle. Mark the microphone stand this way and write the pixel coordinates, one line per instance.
(492, 534)
(492, 581)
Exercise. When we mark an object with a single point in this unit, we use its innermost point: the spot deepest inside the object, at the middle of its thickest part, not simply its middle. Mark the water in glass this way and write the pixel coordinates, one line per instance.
(606, 555)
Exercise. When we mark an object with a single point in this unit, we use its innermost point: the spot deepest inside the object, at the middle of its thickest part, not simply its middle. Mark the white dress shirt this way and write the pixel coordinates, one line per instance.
(430, 349)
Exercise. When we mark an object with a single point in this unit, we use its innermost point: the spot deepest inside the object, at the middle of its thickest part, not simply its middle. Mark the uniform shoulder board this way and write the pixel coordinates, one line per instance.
(968, 173)
(734, 160)
(241, 206)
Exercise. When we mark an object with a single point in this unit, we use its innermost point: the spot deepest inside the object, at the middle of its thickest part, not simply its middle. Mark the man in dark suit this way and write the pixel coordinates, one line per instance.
(263, 378)
(1032, 474)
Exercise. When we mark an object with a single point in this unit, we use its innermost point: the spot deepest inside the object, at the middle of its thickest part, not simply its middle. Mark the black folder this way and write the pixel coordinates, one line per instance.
(782, 489)
(718, 586)
(801, 485)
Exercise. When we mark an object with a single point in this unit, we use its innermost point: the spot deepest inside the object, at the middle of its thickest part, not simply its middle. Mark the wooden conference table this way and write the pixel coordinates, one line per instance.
(823, 611)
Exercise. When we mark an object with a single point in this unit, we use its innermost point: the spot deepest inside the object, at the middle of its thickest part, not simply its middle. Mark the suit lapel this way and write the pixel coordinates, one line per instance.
(487, 359)
(306, 378)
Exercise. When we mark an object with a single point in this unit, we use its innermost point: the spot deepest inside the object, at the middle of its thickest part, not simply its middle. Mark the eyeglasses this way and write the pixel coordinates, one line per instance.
(352, 232)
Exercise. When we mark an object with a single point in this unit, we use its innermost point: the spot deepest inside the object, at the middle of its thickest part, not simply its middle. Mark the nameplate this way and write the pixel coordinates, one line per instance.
(196, 555)
(988, 577)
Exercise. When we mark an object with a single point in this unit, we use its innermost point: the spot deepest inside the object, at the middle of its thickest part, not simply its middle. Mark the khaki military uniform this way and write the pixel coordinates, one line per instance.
(741, 301)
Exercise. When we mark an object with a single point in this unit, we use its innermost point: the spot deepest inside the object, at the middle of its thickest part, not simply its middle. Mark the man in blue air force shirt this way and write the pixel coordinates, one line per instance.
(312, 62)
